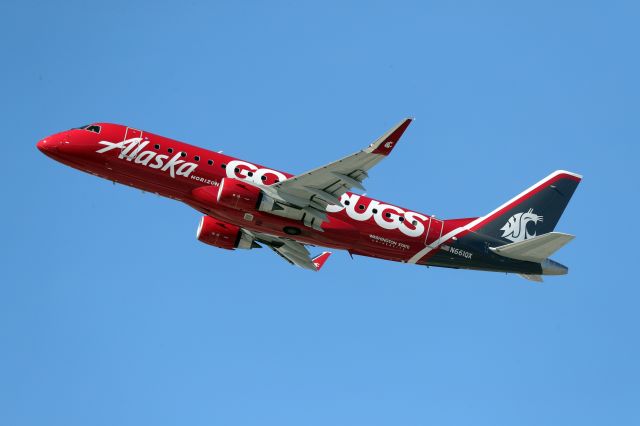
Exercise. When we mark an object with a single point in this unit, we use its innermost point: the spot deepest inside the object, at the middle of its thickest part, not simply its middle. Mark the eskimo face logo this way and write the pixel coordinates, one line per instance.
(516, 227)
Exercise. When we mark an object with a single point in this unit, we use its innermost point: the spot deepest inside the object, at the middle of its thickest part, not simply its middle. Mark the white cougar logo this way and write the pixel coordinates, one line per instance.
(516, 227)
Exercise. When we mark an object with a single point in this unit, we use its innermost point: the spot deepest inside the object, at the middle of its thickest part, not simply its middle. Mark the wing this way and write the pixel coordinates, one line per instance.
(314, 190)
(292, 251)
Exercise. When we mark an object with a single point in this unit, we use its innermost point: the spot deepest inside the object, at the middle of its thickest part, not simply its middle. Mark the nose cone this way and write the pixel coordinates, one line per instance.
(46, 145)
(52, 145)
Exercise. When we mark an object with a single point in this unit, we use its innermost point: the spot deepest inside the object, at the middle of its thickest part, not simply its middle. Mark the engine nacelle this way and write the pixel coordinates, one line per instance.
(238, 195)
(224, 235)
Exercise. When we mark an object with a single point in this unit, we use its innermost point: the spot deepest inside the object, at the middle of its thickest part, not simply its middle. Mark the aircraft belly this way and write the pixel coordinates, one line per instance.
(479, 261)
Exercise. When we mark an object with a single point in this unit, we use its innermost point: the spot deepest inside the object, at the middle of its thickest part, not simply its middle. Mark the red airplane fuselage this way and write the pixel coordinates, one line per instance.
(193, 175)
(157, 165)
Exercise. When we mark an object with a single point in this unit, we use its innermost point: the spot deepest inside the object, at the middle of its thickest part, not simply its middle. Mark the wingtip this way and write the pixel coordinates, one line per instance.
(320, 260)
(407, 121)
(387, 142)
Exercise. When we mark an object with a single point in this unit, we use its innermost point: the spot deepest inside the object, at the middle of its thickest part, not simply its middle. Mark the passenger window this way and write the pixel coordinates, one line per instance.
(210, 162)
(197, 158)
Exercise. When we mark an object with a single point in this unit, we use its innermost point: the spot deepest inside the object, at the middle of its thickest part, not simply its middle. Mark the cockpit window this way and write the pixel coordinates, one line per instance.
(90, 127)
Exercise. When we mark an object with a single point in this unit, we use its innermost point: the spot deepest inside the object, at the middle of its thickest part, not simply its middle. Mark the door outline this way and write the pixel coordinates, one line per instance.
(132, 150)
(438, 232)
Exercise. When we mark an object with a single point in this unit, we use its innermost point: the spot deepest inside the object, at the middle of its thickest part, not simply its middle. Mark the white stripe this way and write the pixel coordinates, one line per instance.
(422, 253)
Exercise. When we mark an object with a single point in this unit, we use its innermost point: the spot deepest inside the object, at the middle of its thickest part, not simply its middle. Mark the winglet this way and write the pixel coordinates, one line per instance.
(319, 260)
(386, 142)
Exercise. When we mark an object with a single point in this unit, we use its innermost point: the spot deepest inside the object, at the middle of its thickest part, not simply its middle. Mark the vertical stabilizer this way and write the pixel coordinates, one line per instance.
(533, 212)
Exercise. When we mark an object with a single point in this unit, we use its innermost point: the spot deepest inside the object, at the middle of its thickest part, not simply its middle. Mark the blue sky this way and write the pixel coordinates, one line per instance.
(112, 313)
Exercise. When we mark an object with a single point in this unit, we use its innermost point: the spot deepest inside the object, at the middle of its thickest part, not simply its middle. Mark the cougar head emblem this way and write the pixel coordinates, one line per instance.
(516, 227)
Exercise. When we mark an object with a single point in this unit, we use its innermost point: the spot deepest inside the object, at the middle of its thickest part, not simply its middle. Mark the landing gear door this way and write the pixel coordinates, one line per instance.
(132, 140)
(434, 232)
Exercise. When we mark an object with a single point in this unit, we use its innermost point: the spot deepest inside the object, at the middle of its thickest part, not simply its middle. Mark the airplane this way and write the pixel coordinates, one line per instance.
(246, 205)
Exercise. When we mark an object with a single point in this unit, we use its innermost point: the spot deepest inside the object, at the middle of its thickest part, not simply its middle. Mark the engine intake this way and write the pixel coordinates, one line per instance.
(223, 235)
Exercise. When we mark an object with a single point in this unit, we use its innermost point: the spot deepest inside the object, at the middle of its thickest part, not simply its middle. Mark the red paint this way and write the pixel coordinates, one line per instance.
(237, 195)
(216, 185)
(217, 233)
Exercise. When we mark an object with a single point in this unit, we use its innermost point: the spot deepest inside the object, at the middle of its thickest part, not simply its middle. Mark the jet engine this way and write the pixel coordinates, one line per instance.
(224, 235)
(238, 195)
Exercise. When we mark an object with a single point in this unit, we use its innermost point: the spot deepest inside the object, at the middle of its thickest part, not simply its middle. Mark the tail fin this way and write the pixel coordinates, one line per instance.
(535, 211)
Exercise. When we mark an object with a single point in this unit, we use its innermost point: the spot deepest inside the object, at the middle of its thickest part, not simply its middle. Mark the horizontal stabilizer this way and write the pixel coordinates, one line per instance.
(534, 278)
(534, 249)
